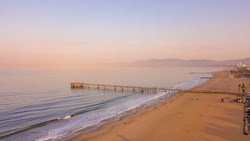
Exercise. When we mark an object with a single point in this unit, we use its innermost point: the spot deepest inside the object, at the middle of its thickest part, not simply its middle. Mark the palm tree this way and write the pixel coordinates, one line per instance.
(239, 86)
(243, 88)
(243, 85)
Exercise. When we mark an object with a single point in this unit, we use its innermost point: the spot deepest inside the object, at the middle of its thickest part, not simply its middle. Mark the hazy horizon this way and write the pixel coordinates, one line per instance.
(82, 34)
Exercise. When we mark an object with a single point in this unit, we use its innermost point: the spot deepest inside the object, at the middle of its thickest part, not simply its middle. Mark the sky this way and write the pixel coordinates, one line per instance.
(80, 33)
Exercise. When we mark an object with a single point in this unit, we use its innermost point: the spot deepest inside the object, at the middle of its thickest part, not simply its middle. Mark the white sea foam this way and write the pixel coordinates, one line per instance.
(85, 120)
(192, 83)
(61, 128)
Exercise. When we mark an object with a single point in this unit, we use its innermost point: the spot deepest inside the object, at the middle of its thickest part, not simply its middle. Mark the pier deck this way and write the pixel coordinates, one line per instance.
(122, 88)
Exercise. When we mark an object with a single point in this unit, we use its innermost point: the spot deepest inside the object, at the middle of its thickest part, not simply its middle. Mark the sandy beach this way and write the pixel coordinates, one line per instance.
(188, 116)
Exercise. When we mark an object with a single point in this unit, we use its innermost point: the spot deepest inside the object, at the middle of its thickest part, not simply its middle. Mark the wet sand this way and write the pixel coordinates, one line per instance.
(186, 117)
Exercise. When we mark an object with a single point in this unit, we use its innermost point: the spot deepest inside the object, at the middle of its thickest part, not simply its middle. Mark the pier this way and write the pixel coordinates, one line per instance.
(212, 92)
(122, 88)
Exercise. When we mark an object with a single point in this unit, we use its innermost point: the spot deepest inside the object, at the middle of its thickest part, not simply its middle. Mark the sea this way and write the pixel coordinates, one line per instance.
(39, 105)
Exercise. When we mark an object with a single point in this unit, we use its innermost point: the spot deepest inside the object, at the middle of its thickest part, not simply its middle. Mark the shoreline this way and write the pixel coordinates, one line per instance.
(121, 129)
(108, 125)
(150, 103)
(115, 120)
(103, 127)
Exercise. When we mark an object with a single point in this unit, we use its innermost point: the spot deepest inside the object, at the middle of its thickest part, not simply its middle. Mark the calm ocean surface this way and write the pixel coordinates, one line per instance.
(33, 102)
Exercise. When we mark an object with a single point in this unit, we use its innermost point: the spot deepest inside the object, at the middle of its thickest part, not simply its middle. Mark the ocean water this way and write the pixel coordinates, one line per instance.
(40, 105)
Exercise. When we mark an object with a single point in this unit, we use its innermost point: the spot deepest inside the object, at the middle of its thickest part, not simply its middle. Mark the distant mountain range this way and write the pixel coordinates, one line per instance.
(180, 62)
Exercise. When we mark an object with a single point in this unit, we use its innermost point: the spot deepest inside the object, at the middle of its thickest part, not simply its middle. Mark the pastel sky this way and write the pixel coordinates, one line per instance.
(77, 33)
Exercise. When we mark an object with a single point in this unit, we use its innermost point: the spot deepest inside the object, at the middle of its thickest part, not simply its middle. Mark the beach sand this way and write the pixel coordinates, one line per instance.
(186, 117)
